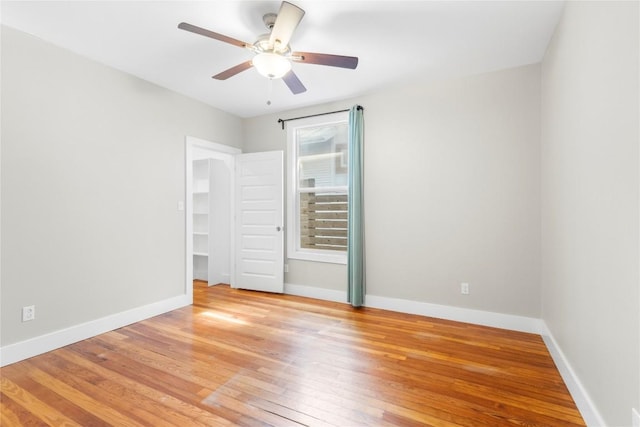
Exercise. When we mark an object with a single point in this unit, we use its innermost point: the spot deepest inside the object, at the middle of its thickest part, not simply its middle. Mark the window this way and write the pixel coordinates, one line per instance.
(317, 184)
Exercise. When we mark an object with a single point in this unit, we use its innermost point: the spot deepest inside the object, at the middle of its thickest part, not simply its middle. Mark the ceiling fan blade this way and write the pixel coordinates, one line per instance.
(233, 71)
(350, 62)
(288, 19)
(294, 83)
(207, 33)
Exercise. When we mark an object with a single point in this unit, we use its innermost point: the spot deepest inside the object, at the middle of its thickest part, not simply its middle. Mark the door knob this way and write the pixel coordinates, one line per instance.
(278, 228)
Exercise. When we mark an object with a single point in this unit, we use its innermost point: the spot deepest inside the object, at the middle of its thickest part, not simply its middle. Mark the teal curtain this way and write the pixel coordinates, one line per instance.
(355, 236)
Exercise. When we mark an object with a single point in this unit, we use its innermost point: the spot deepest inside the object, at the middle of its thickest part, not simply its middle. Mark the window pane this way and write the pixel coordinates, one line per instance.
(323, 221)
(322, 156)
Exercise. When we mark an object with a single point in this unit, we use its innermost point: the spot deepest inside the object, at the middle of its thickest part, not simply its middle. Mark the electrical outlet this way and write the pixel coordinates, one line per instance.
(286, 268)
(464, 288)
(28, 313)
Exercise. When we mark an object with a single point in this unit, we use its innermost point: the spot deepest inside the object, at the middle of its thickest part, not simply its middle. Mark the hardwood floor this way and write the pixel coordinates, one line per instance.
(255, 359)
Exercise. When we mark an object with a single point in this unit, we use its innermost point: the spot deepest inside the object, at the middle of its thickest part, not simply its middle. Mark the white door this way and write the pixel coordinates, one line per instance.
(259, 242)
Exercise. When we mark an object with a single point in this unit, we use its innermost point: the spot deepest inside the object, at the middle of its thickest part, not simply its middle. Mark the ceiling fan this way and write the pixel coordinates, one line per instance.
(273, 55)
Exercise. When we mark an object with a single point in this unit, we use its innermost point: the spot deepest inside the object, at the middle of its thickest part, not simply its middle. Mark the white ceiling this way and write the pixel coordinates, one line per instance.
(396, 41)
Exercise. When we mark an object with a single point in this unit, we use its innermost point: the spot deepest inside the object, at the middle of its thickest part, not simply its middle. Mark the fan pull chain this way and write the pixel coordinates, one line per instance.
(269, 91)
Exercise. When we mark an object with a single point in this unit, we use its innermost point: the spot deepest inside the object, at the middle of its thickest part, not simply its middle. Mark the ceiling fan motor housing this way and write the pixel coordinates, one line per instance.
(269, 20)
(263, 44)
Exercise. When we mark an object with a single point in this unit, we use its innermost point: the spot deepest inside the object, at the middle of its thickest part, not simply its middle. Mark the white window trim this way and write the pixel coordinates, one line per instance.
(293, 218)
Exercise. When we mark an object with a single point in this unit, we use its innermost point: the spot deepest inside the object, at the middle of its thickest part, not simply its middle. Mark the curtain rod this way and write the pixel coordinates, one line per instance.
(283, 121)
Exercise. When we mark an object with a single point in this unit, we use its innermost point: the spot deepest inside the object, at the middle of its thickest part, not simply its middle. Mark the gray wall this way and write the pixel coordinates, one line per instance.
(590, 214)
(452, 191)
(92, 170)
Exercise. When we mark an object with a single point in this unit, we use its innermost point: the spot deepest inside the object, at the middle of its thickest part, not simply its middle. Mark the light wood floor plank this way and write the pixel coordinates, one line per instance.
(47, 414)
(256, 359)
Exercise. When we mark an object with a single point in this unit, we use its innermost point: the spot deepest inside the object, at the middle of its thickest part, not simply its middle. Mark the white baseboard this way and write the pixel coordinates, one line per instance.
(635, 417)
(313, 292)
(477, 317)
(583, 401)
(32, 347)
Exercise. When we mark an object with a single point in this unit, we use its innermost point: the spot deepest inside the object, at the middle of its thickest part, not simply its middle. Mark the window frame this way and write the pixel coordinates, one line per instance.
(294, 251)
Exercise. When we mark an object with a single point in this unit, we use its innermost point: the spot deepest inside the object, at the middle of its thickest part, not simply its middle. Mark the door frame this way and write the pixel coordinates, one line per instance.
(219, 151)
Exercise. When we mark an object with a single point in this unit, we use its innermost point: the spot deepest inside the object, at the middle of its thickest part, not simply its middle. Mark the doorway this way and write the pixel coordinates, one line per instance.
(209, 202)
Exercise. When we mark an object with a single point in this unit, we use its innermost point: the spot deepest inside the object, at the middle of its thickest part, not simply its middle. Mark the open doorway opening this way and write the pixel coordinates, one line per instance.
(209, 200)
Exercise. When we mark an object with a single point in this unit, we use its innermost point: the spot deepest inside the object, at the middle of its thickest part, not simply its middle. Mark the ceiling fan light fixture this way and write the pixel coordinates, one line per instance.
(271, 65)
